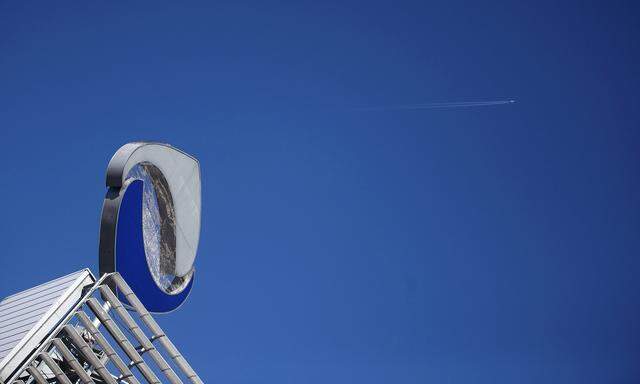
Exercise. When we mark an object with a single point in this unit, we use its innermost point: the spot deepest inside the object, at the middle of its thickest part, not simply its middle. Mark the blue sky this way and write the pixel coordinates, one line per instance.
(493, 244)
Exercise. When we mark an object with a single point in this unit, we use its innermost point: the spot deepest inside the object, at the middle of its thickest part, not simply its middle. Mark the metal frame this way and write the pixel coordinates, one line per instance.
(93, 368)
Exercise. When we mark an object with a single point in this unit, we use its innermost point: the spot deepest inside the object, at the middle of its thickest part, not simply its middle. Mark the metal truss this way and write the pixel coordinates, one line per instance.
(101, 341)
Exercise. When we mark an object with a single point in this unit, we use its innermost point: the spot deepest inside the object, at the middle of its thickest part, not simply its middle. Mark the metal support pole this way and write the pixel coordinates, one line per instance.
(122, 341)
(139, 335)
(37, 376)
(158, 333)
(127, 375)
(75, 364)
(53, 366)
(88, 354)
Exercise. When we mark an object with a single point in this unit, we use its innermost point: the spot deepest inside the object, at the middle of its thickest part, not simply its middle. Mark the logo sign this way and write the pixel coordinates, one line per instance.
(150, 224)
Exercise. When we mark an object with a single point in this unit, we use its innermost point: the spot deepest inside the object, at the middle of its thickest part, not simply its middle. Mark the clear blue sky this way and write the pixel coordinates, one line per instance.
(484, 245)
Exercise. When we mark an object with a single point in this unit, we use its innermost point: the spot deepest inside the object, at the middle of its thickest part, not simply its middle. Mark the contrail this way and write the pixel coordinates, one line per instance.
(443, 105)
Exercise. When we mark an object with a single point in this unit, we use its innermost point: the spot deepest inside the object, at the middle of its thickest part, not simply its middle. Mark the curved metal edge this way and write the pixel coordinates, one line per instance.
(115, 169)
(118, 161)
(108, 227)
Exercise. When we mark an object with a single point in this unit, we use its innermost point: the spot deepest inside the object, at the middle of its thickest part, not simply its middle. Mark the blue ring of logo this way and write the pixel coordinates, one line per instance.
(131, 259)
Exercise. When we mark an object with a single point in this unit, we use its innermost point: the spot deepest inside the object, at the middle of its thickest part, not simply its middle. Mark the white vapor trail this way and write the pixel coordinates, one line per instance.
(443, 105)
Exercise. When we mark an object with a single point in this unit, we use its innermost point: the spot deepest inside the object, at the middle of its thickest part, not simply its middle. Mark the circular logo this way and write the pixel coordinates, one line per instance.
(151, 222)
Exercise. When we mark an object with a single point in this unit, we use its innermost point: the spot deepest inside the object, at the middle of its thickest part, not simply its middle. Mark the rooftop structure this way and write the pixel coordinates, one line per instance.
(74, 329)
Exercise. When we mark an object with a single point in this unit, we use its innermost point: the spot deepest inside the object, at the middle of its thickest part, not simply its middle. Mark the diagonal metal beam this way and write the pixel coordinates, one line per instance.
(139, 335)
(158, 333)
(37, 376)
(53, 366)
(68, 356)
(122, 341)
(88, 354)
(127, 375)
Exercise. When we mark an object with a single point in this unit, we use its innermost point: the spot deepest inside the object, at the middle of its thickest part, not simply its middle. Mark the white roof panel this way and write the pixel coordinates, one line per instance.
(28, 316)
